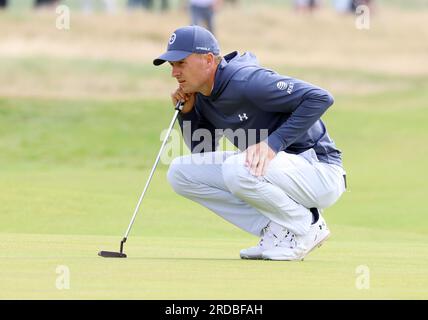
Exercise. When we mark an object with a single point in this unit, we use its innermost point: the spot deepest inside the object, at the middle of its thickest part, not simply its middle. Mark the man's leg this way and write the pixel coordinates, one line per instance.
(209, 18)
(292, 184)
(195, 15)
(290, 187)
(198, 177)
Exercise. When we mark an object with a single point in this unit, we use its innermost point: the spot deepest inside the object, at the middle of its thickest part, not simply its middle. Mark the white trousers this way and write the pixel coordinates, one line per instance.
(292, 184)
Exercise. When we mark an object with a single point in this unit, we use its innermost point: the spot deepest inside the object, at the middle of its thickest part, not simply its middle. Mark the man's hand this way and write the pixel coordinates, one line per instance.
(187, 98)
(258, 157)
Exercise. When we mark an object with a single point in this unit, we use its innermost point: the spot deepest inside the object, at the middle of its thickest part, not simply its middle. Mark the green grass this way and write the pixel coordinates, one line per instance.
(182, 268)
(46, 133)
(78, 137)
(72, 172)
(37, 66)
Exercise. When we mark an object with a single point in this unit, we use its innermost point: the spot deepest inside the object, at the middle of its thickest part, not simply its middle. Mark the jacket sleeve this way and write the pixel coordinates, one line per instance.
(303, 102)
(198, 134)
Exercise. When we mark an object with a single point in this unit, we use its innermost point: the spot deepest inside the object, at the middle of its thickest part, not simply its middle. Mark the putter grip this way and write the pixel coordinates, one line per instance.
(179, 106)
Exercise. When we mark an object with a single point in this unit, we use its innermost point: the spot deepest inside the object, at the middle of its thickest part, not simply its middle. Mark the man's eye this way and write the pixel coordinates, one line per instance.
(177, 63)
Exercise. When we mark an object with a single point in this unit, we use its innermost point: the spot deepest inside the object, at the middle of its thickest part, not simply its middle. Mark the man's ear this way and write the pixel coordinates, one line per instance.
(210, 59)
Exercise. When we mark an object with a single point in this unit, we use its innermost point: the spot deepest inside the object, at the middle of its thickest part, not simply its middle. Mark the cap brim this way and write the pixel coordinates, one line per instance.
(173, 55)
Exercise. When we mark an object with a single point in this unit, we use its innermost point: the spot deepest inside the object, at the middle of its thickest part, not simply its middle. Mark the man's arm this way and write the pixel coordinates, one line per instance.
(304, 102)
(198, 134)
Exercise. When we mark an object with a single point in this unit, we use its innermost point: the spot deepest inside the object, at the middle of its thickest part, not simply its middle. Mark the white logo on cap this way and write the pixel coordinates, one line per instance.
(172, 39)
(282, 85)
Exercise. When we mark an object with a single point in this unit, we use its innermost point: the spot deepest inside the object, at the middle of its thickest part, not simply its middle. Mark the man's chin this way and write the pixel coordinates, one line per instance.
(186, 89)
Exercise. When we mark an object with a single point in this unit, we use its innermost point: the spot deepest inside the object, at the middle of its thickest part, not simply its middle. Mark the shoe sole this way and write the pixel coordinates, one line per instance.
(251, 258)
(319, 244)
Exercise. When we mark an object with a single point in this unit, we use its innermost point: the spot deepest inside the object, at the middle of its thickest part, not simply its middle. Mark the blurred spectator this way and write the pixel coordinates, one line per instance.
(164, 5)
(109, 6)
(45, 3)
(147, 4)
(306, 5)
(343, 6)
(202, 12)
(350, 6)
(356, 3)
(3, 4)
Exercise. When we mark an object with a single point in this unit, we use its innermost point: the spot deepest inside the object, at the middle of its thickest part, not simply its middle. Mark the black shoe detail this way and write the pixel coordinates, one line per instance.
(315, 215)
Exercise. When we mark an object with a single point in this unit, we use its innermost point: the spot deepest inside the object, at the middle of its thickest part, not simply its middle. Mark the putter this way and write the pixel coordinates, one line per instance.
(120, 254)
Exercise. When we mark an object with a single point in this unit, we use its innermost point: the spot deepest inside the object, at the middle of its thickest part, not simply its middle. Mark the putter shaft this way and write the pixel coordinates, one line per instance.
(178, 108)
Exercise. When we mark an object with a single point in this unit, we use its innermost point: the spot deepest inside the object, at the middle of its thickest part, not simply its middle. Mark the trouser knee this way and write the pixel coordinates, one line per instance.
(236, 176)
(176, 176)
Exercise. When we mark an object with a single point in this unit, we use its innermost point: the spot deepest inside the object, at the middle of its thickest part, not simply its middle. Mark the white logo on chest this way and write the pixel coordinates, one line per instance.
(242, 117)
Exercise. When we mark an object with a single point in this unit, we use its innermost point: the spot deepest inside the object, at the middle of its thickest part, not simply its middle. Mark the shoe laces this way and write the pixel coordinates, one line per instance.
(288, 240)
(267, 237)
(285, 238)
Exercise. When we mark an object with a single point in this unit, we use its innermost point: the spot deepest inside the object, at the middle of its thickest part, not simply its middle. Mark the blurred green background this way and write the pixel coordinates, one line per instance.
(81, 113)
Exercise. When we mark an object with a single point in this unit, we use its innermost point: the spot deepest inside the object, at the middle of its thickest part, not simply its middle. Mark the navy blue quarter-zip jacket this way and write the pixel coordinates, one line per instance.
(249, 97)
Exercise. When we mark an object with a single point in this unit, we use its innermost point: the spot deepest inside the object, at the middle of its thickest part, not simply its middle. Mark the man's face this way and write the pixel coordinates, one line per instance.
(191, 72)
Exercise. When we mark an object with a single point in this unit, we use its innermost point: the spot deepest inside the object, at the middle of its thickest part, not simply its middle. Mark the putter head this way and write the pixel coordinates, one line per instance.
(110, 254)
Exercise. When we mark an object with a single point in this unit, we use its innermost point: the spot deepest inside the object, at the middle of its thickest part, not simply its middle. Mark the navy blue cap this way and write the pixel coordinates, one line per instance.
(187, 40)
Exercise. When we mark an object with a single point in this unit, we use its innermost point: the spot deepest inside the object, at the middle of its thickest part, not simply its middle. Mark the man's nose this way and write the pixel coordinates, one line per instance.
(174, 72)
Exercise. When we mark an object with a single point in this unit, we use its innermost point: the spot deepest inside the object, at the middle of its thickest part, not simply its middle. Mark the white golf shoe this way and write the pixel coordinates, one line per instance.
(271, 236)
(295, 247)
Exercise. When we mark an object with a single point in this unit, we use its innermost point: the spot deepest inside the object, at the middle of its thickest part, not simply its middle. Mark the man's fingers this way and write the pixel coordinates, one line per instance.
(249, 157)
(189, 102)
(257, 158)
(265, 166)
(175, 98)
(178, 95)
(188, 99)
(260, 167)
(252, 159)
(181, 96)
(263, 160)
(254, 163)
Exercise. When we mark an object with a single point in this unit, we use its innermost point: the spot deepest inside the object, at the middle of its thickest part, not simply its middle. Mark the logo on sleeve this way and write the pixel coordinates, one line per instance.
(282, 85)
(290, 87)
